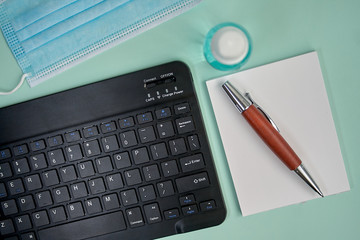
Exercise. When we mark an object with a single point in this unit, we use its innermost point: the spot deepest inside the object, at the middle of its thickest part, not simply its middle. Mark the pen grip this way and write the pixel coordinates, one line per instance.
(271, 137)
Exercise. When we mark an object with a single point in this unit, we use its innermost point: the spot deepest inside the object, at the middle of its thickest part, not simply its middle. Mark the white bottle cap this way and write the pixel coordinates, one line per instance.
(229, 45)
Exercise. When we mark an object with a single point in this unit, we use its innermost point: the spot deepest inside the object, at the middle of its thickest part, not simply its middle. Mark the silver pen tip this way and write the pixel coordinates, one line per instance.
(303, 173)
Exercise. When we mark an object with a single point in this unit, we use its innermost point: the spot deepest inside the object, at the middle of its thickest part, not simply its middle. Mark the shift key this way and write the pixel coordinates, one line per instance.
(192, 182)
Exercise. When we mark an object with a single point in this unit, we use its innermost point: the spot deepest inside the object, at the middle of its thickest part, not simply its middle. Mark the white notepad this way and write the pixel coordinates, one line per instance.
(292, 92)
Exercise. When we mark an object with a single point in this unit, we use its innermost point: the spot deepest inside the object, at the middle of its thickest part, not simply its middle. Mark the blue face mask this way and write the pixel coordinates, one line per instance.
(49, 36)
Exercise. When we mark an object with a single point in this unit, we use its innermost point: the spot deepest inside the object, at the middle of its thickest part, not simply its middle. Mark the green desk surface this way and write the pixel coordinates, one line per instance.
(279, 29)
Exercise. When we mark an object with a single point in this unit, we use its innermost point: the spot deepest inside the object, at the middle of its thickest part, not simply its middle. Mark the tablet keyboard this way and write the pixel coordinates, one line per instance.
(125, 158)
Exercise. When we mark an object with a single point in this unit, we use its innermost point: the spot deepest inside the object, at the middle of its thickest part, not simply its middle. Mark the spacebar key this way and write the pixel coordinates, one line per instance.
(87, 228)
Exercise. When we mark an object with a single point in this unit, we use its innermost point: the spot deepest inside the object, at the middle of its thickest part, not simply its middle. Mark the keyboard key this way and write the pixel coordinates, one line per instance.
(3, 192)
(185, 125)
(208, 205)
(26, 203)
(97, 186)
(6, 227)
(194, 142)
(9, 207)
(114, 181)
(110, 143)
(92, 148)
(86, 169)
(61, 194)
(177, 146)
(128, 139)
(57, 214)
(21, 166)
(56, 157)
(152, 213)
(128, 197)
(16, 186)
(68, 173)
(72, 136)
(33, 182)
(165, 129)
(140, 155)
(132, 177)
(158, 151)
(43, 199)
(163, 113)
(111, 201)
(147, 193)
(182, 108)
(151, 173)
(50, 178)
(146, 134)
(135, 217)
(122, 160)
(144, 118)
(186, 200)
(190, 210)
(40, 218)
(104, 165)
(126, 122)
(192, 163)
(171, 214)
(75, 210)
(169, 168)
(55, 141)
(108, 127)
(165, 189)
(79, 190)
(5, 154)
(5, 170)
(37, 145)
(23, 222)
(192, 182)
(20, 150)
(90, 131)
(86, 228)
(38, 162)
(93, 205)
(74, 152)
(28, 236)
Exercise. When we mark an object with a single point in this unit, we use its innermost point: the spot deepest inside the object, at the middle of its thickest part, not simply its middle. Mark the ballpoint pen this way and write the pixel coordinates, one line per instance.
(264, 127)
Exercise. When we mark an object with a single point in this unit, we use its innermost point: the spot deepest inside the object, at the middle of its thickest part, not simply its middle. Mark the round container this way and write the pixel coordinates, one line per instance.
(227, 46)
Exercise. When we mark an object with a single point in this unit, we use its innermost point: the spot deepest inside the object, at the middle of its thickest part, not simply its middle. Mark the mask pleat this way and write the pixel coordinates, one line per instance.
(70, 24)
(63, 33)
(55, 17)
(37, 10)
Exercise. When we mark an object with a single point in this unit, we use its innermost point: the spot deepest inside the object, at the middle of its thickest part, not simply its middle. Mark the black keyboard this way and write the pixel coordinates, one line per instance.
(124, 158)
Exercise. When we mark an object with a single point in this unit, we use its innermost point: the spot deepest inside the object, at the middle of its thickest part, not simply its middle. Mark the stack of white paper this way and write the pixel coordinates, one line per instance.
(292, 92)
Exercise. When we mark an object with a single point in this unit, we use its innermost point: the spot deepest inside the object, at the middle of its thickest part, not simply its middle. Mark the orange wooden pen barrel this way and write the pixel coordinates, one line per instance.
(271, 137)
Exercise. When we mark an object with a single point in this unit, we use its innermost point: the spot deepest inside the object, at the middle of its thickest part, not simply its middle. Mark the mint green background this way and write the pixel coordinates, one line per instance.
(279, 29)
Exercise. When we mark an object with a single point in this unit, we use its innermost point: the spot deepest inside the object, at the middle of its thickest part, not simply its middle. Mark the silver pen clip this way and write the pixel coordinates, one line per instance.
(247, 95)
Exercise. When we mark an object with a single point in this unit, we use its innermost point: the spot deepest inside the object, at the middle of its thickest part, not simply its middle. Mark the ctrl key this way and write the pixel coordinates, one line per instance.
(6, 227)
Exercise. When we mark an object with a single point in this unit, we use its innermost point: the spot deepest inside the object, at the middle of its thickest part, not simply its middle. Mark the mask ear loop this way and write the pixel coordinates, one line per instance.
(17, 87)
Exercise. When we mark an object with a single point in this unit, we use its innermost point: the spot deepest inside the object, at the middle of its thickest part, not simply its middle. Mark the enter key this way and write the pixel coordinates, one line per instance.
(191, 163)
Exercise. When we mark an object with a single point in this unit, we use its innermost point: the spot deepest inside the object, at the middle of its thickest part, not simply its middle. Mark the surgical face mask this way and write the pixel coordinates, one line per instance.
(50, 36)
